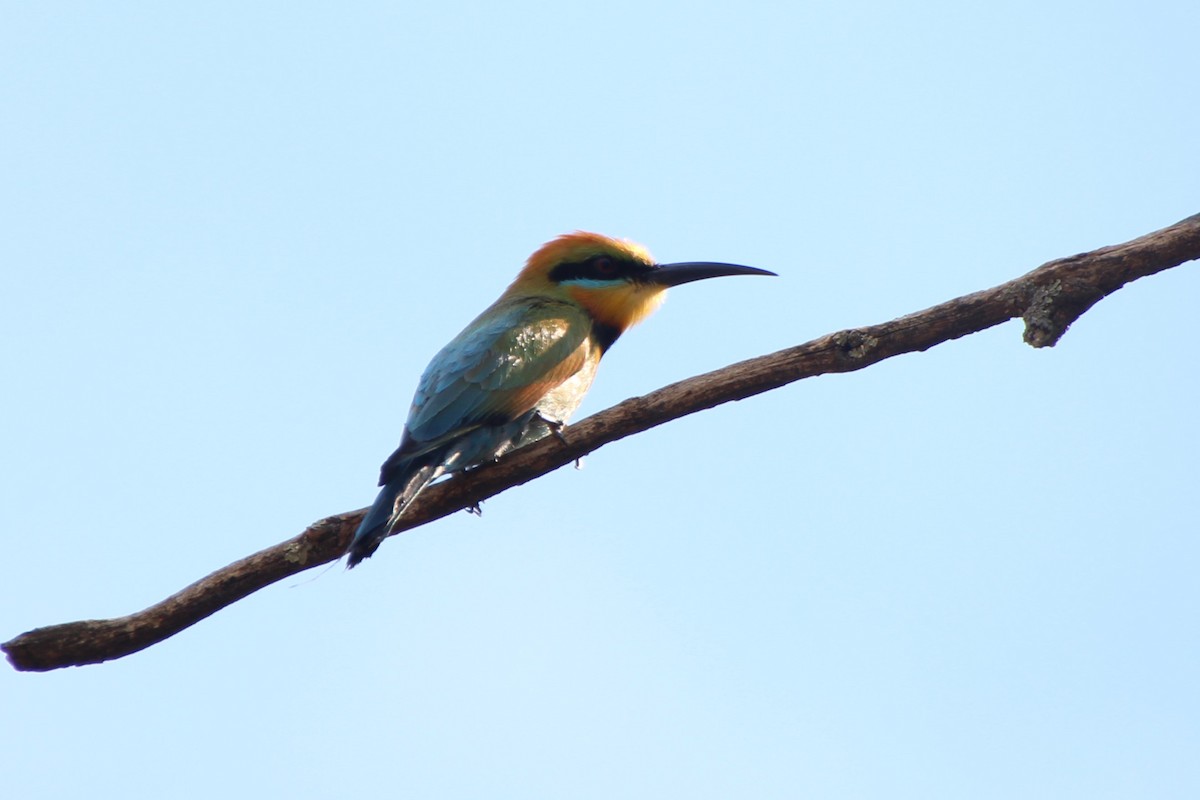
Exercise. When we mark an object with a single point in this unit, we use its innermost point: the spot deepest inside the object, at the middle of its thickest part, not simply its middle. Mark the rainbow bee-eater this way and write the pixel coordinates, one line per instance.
(519, 370)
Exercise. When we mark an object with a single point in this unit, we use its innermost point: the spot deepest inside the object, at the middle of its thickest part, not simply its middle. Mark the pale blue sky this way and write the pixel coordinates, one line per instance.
(233, 236)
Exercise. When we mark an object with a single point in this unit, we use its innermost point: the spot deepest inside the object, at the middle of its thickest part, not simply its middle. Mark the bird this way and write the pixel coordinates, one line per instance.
(518, 371)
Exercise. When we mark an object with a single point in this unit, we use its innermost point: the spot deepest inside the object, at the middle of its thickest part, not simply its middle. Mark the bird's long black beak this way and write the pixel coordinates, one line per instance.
(688, 271)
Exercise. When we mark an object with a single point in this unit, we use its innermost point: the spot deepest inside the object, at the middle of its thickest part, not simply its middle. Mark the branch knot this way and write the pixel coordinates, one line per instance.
(855, 344)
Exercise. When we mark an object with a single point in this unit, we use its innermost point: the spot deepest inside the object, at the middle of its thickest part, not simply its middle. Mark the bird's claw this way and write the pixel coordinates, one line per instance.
(556, 426)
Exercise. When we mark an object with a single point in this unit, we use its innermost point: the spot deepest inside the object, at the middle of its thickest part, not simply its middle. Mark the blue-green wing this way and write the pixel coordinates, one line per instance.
(497, 369)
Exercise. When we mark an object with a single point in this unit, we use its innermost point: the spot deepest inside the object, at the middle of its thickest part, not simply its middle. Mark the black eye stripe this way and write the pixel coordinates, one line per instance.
(598, 268)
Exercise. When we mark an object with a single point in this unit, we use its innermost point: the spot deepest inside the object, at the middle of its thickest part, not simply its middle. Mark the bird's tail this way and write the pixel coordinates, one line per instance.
(406, 483)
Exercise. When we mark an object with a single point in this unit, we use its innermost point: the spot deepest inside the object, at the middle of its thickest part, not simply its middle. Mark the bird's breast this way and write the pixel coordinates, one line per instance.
(561, 402)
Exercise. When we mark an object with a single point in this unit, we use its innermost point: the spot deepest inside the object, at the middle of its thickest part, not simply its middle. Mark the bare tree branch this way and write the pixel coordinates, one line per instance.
(1049, 299)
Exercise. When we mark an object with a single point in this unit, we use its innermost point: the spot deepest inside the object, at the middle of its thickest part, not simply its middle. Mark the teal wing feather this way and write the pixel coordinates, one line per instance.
(497, 369)
(475, 400)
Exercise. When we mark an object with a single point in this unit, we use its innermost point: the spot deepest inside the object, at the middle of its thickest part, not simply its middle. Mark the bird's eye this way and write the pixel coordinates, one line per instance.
(604, 265)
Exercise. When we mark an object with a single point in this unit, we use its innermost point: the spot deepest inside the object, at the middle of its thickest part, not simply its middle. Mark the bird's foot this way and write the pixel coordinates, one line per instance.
(556, 426)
